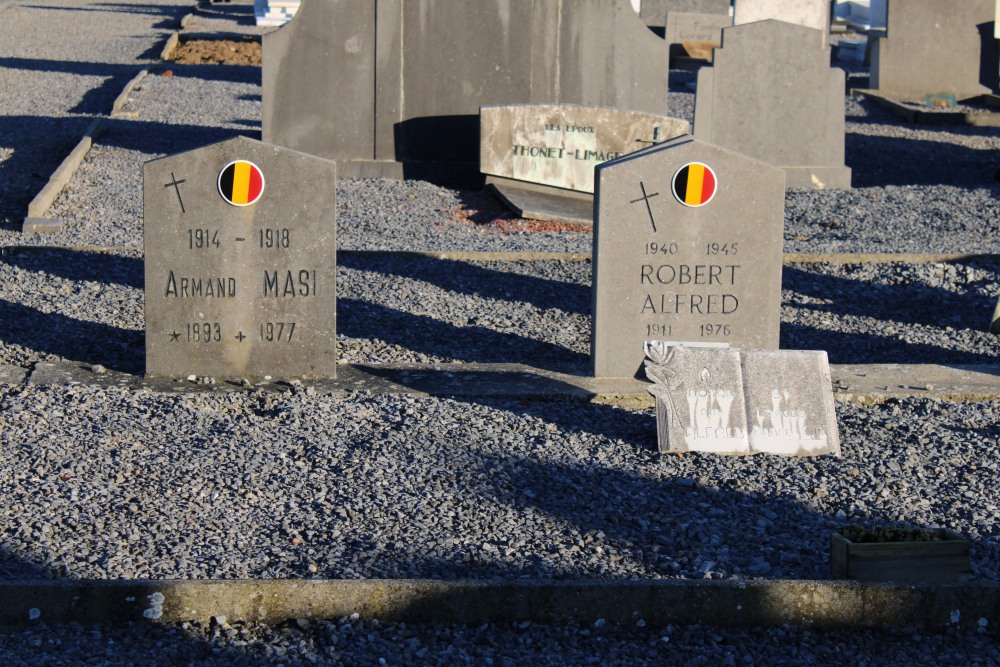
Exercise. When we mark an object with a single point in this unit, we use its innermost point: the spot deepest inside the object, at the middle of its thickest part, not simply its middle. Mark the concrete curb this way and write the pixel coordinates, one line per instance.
(122, 98)
(39, 206)
(172, 41)
(756, 603)
(917, 116)
(857, 384)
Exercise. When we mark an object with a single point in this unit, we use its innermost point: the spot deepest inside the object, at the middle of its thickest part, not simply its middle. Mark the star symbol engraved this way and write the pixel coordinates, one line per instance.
(174, 337)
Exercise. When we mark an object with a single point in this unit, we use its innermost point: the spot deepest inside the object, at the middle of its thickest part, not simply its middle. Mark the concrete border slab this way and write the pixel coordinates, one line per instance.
(756, 603)
(12, 374)
(919, 117)
(539, 204)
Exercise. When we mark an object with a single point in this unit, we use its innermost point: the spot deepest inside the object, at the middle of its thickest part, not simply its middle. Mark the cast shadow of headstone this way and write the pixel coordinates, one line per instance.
(464, 277)
(81, 265)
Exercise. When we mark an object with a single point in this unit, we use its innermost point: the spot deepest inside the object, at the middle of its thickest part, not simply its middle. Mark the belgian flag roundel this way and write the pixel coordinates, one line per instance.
(241, 183)
(694, 184)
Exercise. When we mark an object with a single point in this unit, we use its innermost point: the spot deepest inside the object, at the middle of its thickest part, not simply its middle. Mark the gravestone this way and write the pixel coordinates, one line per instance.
(655, 13)
(786, 109)
(240, 255)
(742, 401)
(405, 79)
(559, 145)
(698, 34)
(809, 13)
(937, 46)
(687, 248)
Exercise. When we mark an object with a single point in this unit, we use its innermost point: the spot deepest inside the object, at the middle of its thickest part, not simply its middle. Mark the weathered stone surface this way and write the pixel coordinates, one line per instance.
(700, 32)
(655, 13)
(669, 270)
(771, 94)
(937, 46)
(809, 13)
(790, 407)
(700, 405)
(369, 84)
(729, 401)
(240, 290)
(559, 145)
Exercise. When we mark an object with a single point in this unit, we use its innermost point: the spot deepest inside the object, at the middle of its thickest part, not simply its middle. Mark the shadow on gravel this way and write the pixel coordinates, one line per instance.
(83, 265)
(423, 334)
(36, 145)
(226, 73)
(154, 138)
(880, 161)
(464, 277)
(96, 100)
(79, 340)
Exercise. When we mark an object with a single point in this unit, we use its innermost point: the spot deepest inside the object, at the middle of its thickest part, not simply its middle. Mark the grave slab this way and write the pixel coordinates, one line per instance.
(404, 106)
(559, 145)
(937, 46)
(240, 263)
(540, 203)
(656, 13)
(786, 109)
(687, 248)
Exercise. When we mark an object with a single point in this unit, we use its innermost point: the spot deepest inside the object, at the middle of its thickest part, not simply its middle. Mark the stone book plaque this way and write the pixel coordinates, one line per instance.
(700, 406)
(687, 248)
(240, 255)
(790, 402)
(727, 401)
(559, 144)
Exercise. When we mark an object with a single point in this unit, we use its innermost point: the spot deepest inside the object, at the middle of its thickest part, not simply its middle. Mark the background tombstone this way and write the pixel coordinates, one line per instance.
(786, 109)
(240, 261)
(937, 46)
(699, 266)
(654, 13)
(809, 13)
(696, 34)
(405, 106)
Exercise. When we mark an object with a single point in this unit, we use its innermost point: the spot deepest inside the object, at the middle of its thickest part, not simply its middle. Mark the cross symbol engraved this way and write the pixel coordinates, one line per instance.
(174, 337)
(656, 138)
(176, 185)
(646, 199)
(240, 337)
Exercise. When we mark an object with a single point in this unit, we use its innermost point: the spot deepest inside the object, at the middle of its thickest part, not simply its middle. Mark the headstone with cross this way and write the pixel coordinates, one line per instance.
(240, 254)
(687, 249)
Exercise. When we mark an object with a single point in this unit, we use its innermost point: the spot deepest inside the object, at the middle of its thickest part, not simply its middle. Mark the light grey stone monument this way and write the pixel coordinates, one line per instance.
(558, 145)
(240, 261)
(687, 248)
(393, 87)
(697, 34)
(655, 13)
(937, 46)
(771, 94)
(809, 13)
(729, 401)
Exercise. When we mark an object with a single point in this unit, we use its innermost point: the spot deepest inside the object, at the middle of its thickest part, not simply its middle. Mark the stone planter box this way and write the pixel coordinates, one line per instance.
(944, 560)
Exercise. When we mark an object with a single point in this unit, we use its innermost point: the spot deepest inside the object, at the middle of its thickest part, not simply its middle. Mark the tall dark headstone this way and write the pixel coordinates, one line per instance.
(394, 87)
(240, 253)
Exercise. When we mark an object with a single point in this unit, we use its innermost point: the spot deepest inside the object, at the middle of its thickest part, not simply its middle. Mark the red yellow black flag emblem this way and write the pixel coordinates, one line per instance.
(694, 184)
(241, 183)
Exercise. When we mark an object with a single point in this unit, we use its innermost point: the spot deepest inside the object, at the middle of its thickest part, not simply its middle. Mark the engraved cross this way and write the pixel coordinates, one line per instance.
(176, 185)
(645, 198)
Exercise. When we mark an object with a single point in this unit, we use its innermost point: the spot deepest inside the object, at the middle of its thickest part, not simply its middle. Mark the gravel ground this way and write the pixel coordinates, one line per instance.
(357, 485)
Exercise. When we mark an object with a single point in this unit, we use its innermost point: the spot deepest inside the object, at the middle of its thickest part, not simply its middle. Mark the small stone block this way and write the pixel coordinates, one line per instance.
(42, 225)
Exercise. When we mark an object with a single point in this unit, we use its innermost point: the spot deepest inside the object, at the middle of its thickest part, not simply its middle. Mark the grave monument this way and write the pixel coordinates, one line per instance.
(785, 108)
(937, 46)
(687, 249)
(393, 87)
(809, 13)
(696, 34)
(655, 13)
(240, 263)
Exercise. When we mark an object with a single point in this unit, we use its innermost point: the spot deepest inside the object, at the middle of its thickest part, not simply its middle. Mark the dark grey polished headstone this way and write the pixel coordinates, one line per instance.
(240, 291)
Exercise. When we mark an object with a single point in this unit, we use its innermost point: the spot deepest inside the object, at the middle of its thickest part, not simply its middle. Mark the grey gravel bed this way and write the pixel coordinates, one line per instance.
(377, 486)
(349, 641)
(917, 188)
(87, 306)
(51, 85)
